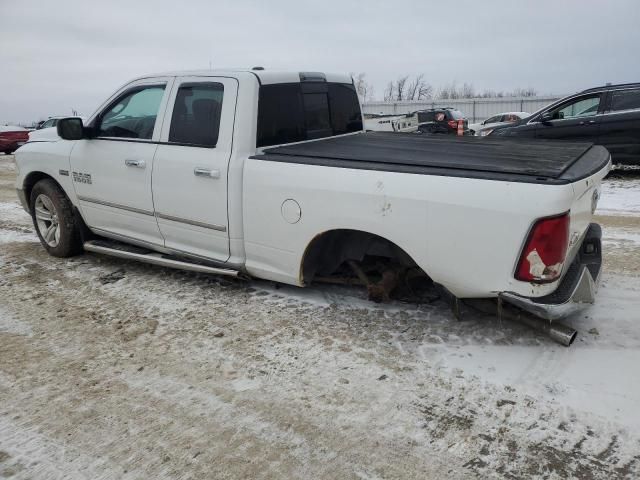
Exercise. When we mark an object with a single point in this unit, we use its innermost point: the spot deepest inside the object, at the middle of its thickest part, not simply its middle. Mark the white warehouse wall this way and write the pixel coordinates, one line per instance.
(475, 109)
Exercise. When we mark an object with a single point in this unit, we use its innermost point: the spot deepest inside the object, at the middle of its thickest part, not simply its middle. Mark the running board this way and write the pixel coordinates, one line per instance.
(156, 259)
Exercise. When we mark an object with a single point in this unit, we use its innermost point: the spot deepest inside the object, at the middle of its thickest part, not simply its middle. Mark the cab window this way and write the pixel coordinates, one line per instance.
(293, 112)
(196, 114)
(580, 107)
(133, 115)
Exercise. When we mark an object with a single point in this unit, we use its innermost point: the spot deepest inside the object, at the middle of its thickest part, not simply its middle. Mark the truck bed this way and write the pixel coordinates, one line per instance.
(530, 161)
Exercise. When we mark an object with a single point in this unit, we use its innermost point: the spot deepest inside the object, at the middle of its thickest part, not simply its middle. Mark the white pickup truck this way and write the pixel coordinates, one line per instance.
(271, 175)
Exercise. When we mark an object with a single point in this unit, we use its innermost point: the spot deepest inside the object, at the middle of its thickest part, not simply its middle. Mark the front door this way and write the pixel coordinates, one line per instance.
(576, 119)
(191, 164)
(112, 172)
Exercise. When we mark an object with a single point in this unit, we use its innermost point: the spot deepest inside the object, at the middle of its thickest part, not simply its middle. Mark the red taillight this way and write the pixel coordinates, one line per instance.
(453, 123)
(544, 253)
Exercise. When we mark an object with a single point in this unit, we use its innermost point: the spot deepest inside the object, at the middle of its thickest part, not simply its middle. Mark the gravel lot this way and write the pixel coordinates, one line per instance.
(116, 370)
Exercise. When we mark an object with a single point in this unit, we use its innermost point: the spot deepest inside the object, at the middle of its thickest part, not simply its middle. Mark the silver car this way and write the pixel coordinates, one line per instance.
(484, 128)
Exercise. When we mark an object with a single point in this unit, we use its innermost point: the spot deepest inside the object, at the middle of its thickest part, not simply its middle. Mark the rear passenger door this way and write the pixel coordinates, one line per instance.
(190, 167)
(620, 126)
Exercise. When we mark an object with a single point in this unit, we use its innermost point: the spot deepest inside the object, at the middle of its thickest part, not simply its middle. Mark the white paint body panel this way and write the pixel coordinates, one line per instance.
(467, 234)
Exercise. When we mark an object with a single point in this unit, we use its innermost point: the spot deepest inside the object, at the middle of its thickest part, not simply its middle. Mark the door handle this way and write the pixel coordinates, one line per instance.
(590, 122)
(129, 162)
(205, 172)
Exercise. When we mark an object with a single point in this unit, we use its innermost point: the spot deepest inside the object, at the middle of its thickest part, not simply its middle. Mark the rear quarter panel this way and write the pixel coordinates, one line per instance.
(465, 233)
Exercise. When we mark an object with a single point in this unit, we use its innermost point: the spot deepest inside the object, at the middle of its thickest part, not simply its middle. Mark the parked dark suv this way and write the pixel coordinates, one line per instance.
(608, 116)
(441, 120)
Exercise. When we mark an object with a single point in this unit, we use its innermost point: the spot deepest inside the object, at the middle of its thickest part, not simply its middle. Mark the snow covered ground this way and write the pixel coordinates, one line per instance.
(116, 370)
(620, 197)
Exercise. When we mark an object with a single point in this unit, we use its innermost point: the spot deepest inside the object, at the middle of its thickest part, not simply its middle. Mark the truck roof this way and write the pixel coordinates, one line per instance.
(265, 77)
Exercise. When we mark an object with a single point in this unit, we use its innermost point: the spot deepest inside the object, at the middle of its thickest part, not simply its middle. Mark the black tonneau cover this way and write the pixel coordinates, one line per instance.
(531, 161)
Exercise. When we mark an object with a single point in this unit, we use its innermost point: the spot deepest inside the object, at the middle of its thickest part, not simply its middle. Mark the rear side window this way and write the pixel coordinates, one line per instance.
(294, 112)
(196, 114)
(426, 116)
(344, 108)
(456, 114)
(316, 115)
(625, 100)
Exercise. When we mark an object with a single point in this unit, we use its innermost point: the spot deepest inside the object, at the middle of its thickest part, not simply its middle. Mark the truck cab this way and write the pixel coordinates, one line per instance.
(157, 162)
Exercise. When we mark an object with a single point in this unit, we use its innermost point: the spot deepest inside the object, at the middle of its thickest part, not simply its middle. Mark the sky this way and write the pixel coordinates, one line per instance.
(59, 56)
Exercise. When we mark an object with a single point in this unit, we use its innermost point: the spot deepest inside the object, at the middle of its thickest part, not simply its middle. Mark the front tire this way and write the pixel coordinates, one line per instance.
(56, 225)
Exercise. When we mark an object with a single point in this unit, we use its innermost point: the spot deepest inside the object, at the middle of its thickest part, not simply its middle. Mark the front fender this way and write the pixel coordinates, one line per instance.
(37, 160)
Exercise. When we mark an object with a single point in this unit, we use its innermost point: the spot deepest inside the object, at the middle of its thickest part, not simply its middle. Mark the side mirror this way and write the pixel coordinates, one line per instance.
(546, 117)
(70, 128)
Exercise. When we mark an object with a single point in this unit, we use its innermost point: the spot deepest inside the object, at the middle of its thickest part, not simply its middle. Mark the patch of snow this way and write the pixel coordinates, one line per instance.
(598, 375)
(14, 213)
(620, 197)
(9, 236)
(621, 237)
(10, 324)
(8, 166)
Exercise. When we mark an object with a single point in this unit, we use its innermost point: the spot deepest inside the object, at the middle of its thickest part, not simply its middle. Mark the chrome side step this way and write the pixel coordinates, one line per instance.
(156, 259)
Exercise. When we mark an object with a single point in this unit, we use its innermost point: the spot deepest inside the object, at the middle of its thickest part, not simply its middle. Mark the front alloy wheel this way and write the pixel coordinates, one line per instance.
(55, 220)
(47, 220)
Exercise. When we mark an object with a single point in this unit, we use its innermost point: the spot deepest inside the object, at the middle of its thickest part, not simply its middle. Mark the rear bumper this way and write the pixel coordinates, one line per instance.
(578, 287)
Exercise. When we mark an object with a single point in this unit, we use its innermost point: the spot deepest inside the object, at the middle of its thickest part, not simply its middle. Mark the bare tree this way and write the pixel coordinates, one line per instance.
(524, 92)
(425, 91)
(413, 87)
(448, 92)
(364, 88)
(401, 84)
(388, 91)
(408, 88)
(467, 91)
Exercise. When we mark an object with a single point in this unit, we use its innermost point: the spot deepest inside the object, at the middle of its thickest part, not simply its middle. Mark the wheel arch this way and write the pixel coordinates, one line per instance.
(34, 177)
(328, 249)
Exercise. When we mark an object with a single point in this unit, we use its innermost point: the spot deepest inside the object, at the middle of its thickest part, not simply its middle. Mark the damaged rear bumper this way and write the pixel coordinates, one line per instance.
(578, 287)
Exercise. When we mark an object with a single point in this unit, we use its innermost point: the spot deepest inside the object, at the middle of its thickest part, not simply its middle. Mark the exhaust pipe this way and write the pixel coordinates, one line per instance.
(558, 332)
